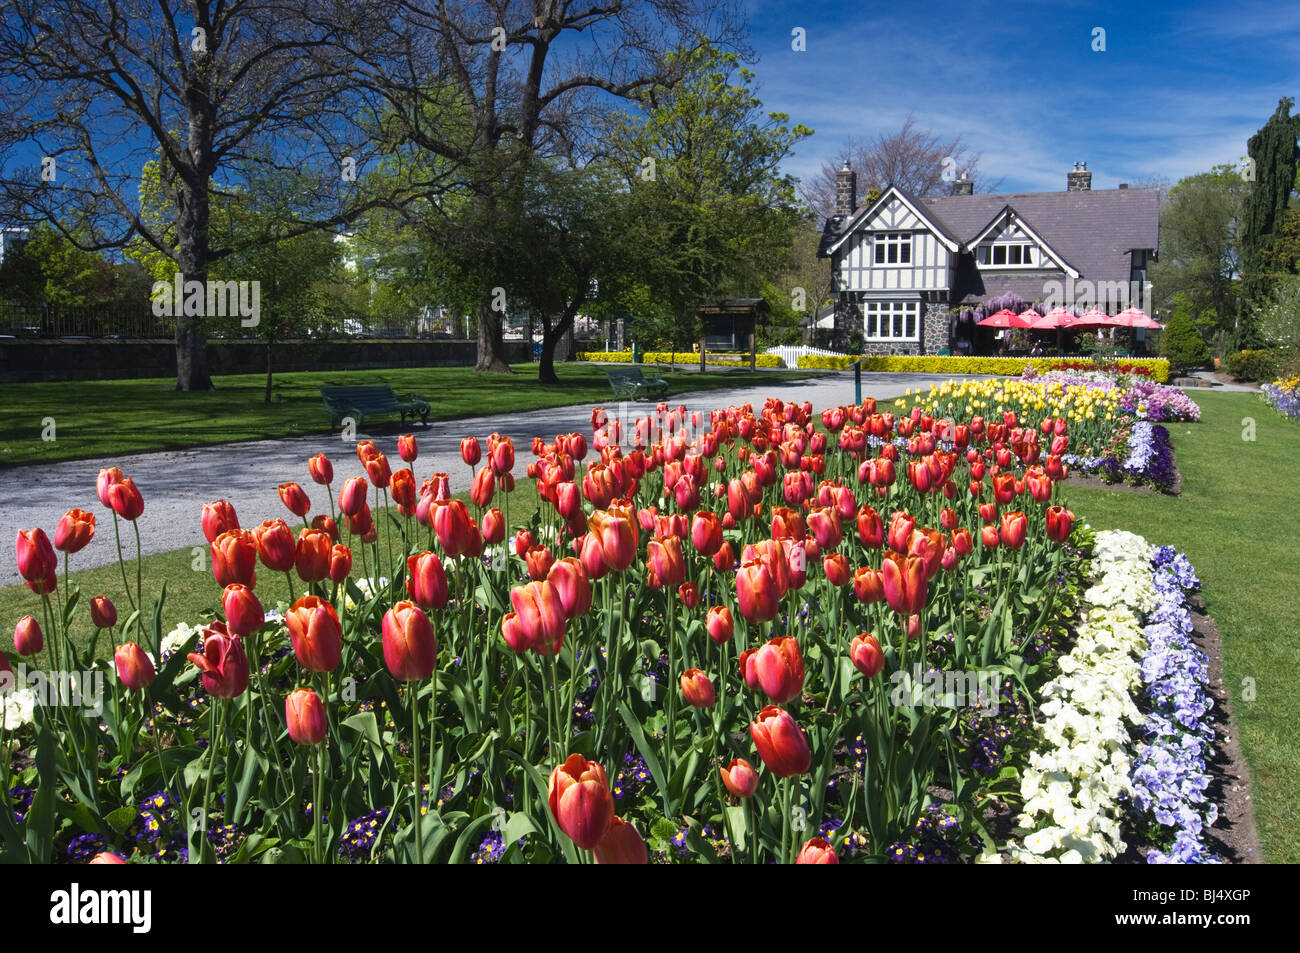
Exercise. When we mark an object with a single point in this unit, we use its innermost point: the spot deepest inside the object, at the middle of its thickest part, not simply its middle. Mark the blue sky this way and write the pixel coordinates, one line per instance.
(1179, 88)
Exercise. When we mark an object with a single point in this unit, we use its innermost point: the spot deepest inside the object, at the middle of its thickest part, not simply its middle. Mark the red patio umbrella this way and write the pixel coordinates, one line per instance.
(1004, 319)
(1136, 318)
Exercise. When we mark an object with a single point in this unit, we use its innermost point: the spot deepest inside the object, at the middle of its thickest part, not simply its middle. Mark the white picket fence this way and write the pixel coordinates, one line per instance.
(790, 354)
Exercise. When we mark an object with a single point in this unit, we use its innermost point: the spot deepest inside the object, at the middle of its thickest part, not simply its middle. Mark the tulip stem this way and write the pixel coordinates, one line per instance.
(787, 790)
(433, 736)
(121, 563)
(670, 621)
(412, 689)
(316, 806)
(289, 579)
(139, 569)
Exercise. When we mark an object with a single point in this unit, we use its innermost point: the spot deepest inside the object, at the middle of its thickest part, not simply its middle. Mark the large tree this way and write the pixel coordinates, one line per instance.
(528, 75)
(203, 86)
(710, 212)
(916, 160)
(1274, 153)
(1199, 220)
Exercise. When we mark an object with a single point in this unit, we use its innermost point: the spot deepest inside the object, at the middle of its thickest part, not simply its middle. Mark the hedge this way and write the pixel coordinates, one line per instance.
(1156, 368)
(664, 357)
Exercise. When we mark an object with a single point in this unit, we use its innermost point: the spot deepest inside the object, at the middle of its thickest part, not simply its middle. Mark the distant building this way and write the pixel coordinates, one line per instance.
(902, 267)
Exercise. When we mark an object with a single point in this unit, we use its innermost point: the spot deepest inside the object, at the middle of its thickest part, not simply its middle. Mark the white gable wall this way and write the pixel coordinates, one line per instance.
(929, 269)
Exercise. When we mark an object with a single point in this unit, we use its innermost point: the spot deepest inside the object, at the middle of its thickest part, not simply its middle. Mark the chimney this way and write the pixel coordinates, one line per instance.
(963, 186)
(1079, 179)
(846, 191)
(1123, 185)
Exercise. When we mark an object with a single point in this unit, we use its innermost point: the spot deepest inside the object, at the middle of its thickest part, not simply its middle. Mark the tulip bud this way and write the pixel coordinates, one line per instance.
(866, 655)
(817, 851)
(136, 671)
(719, 624)
(305, 714)
(493, 526)
(353, 496)
(35, 556)
(410, 646)
(780, 742)
(580, 801)
(126, 500)
(621, 845)
(407, 448)
(739, 778)
(74, 531)
(471, 451)
(102, 612)
(320, 469)
(340, 563)
(697, 689)
(426, 580)
(989, 537)
(218, 517)
(28, 639)
(243, 610)
(295, 498)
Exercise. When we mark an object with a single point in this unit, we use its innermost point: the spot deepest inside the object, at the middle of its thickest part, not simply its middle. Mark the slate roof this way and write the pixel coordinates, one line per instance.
(1094, 230)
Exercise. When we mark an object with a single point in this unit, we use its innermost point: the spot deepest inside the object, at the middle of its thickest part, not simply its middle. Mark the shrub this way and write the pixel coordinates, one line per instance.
(1255, 365)
(681, 357)
(1182, 345)
(1154, 368)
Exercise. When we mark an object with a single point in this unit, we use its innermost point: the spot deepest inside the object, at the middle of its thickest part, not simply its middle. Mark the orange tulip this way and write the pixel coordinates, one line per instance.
(870, 528)
(665, 562)
(275, 545)
(989, 537)
(817, 851)
(426, 580)
(777, 668)
(218, 518)
(866, 655)
(311, 556)
(340, 563)
(126, 499)
(315, 633)
(75, 530)
(321, 470)
(135, 671)
(243, 610)
(739, 778)
(295, 498)
(324, 523)
(410, 646)
(706, 533)
(407, 448)
(570, 582)
(756, 593)
(482, 488)
(905, 583)
(580, 801)
(305, 714)
(697, 688)
(836, 567)
(234, 558)
(621, 845)
(493, 526)
(1014, 527)
(616, 536)
(541, 616)
(780, 742)
(402, 489)
(868, 585)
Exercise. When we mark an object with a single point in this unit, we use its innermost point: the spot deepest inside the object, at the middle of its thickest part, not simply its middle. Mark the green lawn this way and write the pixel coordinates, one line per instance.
(95, 418)
(1238, 521)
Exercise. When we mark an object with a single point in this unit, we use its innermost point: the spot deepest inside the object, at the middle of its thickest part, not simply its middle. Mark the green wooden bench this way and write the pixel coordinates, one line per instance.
(631, 383)
(358, 402)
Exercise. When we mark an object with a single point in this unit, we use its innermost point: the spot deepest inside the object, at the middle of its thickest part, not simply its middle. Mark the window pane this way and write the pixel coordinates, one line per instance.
(999, 254)
(898, 325)
(1029, 255)
(871, 321)
(1014, 255)
(880, 251)
(911, 323)
(906, 250)
(893, 253)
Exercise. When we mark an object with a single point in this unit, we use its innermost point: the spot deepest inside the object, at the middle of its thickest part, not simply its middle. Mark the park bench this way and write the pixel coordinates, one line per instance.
(630, 382)
(359, 402)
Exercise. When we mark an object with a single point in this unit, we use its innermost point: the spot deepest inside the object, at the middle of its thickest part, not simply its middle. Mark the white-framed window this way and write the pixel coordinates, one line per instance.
(1006, 255)
(893, 248)
(892, 320)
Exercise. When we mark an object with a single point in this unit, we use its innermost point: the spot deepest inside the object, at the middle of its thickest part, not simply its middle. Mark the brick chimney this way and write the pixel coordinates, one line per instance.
(963, 186)
(846, 191)
(1079, 179)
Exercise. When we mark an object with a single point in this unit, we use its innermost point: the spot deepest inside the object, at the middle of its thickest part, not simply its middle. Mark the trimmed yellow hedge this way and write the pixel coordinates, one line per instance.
(1004, 366)
(664, 357)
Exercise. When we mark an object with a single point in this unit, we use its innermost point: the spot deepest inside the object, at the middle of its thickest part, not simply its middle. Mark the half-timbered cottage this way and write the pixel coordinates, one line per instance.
(903, 268)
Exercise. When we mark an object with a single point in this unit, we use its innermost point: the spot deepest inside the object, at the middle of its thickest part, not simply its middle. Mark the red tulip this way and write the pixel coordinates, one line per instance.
(523, 540)
(664, 559)
(470, 450)
(780, 742)
(353, 496)
(402, 489)
(989, 537)
(541, 616)
(406, 448)
(340, 563)
(988, 512)
(1039, 484)
(102, 612)
(539, 560)
(223, 663)
(617, 538)
(75, 530)
(324, 523)
(905, 583)
(501, 455)
(580, 801)
(962, 542)
(724, 560)
(410, 646)
(756, 592)
(275, 545)
(1060, 522)
(817, 851)
(243, 610)
(571, 584)
(514, 634)
(363, 524)
(866, 655)
(1004, 488)
(37, 563)
(28, 639)
(315, 633)
(778, 669)
(900, 532)
(870, 528)
(105, 480)
(311, 555)
(218, 517)
(234, 558)
(824, 523)
(451, 524)
(482, 488)
(135, 671)
(1014, 527)
(493, 526)
(106, 857)
(719, 624)
(126, 499)
(305, 714)
(295, 498)
(621, 845)
(366, 450)
(689, 594)
(697, 689)
(836, 567)
(739, 778)
(706, 533)
(426, 580)
(320, 469)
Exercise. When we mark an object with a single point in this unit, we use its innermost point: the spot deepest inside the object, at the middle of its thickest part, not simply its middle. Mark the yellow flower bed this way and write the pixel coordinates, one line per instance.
(1007, 366)
(681, 357)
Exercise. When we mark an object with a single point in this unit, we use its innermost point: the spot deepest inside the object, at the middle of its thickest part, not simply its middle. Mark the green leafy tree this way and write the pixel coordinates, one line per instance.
(1181, 342)
(1274, 152)
(708, 206)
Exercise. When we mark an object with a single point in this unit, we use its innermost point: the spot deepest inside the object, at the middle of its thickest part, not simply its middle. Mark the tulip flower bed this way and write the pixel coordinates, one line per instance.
(1284, 396)
(733, 638)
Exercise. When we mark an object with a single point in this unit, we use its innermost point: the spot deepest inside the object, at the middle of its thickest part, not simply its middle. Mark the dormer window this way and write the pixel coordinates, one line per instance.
(894, 248)
(1005, 255)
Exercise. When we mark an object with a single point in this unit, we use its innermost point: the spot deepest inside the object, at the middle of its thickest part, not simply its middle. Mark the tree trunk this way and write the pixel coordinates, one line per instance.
(490, 344)
(193, 252)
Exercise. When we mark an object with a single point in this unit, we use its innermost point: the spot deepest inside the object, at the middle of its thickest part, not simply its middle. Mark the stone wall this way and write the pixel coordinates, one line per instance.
(934, 328)
(65, 360)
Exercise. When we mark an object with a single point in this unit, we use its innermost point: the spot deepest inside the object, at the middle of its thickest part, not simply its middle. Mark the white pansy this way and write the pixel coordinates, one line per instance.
(19, 708)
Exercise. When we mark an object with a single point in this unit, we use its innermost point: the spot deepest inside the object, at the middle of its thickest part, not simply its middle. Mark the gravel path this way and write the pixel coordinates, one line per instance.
(176, 483)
